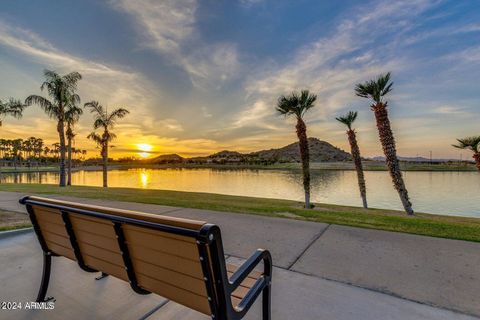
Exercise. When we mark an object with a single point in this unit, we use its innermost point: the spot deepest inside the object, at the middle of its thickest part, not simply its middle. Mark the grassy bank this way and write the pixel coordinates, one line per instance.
(13, 220)
(424, 224)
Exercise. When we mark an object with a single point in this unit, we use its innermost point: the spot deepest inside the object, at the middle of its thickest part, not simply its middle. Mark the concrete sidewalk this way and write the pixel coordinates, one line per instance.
(322, 271)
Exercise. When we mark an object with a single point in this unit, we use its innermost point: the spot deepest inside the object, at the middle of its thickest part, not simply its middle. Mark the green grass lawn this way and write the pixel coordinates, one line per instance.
(391, 220)
(13, 220)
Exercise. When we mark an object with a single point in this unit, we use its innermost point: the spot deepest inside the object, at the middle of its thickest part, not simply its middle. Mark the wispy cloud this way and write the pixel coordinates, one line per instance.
(332, 65)
(451, 110)
(169, 28)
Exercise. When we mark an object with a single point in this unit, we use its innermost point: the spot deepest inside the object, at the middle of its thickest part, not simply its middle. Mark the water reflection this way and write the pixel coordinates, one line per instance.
(455, 193)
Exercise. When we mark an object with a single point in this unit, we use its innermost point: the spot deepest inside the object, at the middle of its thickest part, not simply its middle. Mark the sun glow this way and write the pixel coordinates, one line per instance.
(144, 149)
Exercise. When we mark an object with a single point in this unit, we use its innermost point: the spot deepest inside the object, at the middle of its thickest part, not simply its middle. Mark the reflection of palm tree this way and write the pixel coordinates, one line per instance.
(376, 90)
(72, 115)
(61, 89)
(106, 121)
(357, 159)
(473, 144)
(297, 105)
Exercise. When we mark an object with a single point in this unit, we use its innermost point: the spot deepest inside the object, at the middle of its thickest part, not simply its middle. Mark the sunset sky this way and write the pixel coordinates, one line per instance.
(203, 76)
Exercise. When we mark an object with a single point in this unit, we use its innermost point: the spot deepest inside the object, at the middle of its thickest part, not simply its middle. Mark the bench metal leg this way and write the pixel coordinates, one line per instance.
(266, 302)
(103, 275)
(47, 264)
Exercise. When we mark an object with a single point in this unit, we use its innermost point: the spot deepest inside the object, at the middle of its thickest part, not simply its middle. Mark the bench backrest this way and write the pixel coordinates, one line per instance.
(164, 255)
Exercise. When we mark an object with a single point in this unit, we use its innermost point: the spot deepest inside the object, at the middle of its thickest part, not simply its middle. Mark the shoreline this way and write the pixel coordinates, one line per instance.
(331, 166)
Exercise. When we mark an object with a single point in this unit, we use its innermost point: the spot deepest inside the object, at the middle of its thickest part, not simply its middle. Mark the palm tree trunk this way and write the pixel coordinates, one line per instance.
(388, 144)
(476, 156)
(358, 166)
(69, 163)
(105, 164)
(305, 156)
(61, 133)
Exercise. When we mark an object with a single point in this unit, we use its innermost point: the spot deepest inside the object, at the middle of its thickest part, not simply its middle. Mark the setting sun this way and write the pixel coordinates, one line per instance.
(145, 147)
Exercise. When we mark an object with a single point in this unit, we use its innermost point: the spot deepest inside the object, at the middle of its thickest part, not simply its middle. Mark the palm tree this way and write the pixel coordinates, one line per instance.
(473, 144)
(106, 121)
(61, 90)
(298, 104)
(72, 115)
(12, 107)
(348, 120)
(376, 90)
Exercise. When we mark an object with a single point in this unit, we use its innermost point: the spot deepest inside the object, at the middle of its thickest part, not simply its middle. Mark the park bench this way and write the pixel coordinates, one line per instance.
(180, 259)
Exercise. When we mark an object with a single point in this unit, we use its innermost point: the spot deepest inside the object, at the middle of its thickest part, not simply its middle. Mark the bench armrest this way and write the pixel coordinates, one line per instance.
(242, 273)
(247, 267)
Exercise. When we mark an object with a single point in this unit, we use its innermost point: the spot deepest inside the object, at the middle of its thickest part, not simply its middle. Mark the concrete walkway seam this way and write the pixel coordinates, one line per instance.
(308, 247)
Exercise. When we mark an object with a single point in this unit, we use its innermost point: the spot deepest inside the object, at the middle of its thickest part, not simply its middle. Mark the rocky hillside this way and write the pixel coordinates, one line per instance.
(319, 151)
(166, 158)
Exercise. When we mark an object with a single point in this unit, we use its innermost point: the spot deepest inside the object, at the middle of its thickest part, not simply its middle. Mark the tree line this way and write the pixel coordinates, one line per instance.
(33, 150)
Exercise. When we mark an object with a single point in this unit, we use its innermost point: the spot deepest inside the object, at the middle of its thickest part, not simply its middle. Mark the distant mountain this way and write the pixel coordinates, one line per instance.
(319, 151)
(167, 158)
(226, 154)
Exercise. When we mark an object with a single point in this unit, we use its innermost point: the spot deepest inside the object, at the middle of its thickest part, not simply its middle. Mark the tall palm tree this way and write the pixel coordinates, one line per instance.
(12, 107)
(72, 115)
(61, 90)
(106, 121)
(298, 104)
(375, 90)
(348, 120)
(473, 144)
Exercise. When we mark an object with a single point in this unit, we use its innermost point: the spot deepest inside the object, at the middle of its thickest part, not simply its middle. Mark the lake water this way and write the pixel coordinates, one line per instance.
(450, 193)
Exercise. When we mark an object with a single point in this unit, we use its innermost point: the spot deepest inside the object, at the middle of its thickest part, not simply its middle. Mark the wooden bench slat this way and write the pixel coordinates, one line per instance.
(48, 215)
(105, 266)
(187, 250)
(174, 278)
(106, 242)
(186, 298)
(52, 237)
(166, 261)
(53, 228)
(161, 233)
(98, 227)
(62, 251)
(100, 253)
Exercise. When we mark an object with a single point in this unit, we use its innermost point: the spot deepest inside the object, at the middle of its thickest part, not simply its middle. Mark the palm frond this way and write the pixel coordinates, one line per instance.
(296, 103)
(375, 89)
(471, 143)
(116, 114)
(95, 137)
(12, 107)
(348, 119)
(43, 103)
(95, 107)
